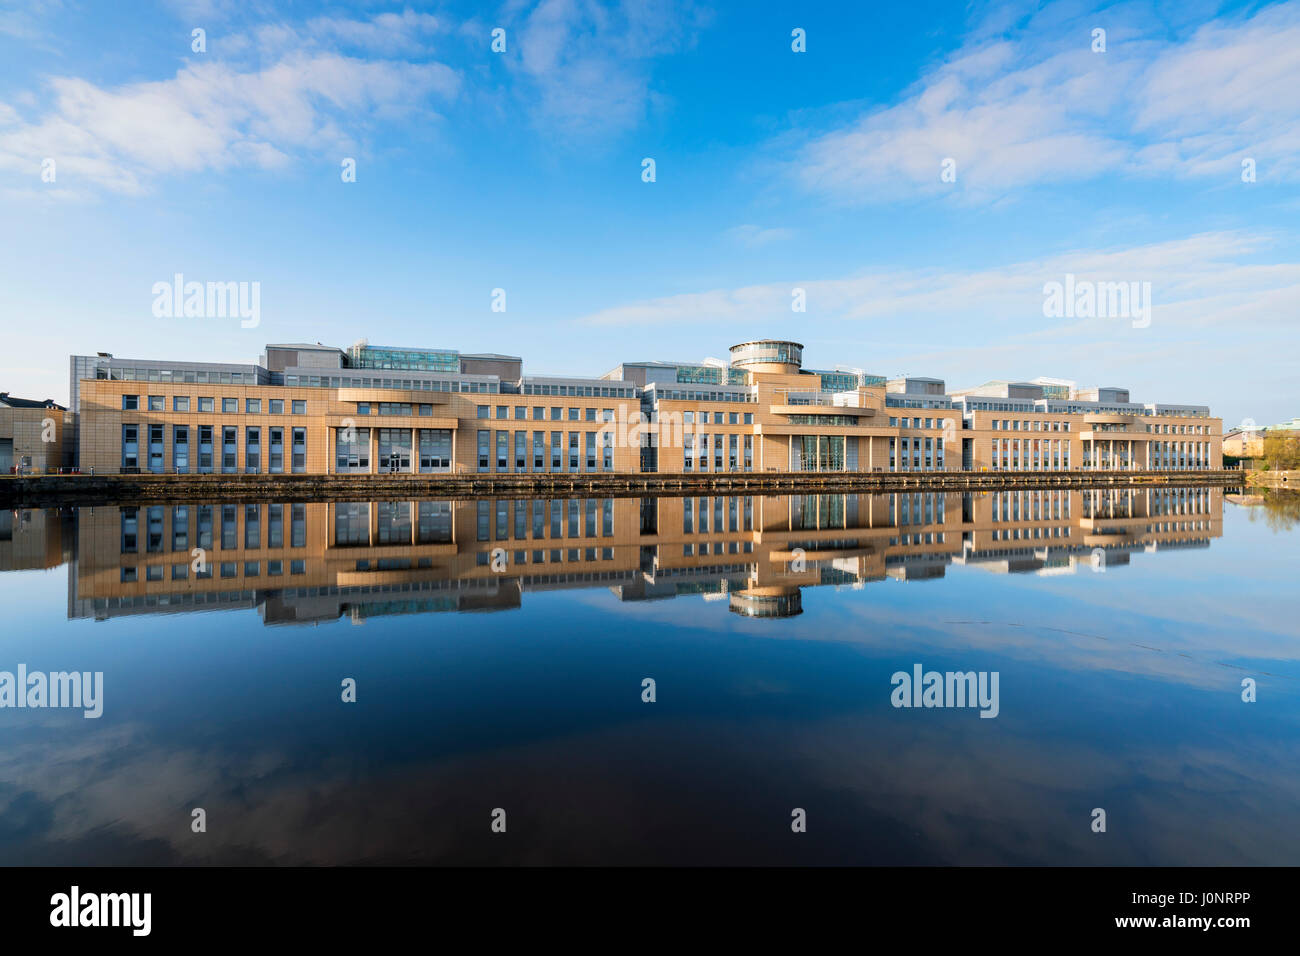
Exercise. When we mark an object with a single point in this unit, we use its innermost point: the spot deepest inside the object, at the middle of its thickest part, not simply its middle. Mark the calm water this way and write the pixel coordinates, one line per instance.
(499, 651)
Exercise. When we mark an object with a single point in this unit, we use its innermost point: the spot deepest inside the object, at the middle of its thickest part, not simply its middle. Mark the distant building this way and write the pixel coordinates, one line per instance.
(32, 435)
(317, 409)
(1249, 442)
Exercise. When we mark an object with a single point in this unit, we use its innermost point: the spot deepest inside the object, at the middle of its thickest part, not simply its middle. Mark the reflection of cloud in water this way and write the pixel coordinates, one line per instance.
(880, 787)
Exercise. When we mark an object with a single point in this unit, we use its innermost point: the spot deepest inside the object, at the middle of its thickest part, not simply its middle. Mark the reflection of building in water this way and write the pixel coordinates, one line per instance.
(34, 538)
(318, 561)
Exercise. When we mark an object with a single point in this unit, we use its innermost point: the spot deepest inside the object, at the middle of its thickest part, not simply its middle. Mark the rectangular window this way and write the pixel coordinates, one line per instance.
(229, 448)
(484, 449)
(503, 450)
(539, 451)
(557, 451)
(180, 403)
(503, 411)
(299, 451)
(352, 450)
(482, 411)
(130, 448)
(130, 530)
(130, 403)
(275, 526)
(298, 526)
(521, 451)
(252, 450)
(205, 449)
(299, 406)
(252, 527)
(155, 403)
(154, 538)
(230, 406)
(276, 463)
(156, 449)
(206, 403)
(253, 406)
(181, 449)
(395, 450)
(435, 449)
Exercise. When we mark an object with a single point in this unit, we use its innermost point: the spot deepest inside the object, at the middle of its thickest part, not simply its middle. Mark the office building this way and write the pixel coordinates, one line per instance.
(317, 409)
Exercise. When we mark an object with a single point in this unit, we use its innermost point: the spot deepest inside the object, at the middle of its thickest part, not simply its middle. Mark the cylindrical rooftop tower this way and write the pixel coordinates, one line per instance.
(768, 355)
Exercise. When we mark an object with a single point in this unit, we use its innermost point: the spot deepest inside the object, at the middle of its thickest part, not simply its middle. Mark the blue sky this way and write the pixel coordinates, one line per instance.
(775, 170)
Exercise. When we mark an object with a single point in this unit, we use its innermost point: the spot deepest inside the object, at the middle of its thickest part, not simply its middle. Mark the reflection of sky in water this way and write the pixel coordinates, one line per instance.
(1119, 690)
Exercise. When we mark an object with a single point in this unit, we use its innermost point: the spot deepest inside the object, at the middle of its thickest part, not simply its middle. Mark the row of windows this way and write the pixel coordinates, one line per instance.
(579, 391)
(1031, 454)
(696, 452)
(393, 408)
(212, 527)
(939, 423)
(1017, 425)
(229, 406)
(396, 450)
(539, 413)
(185, 376)
(227, 569)
(559, 518)
(915, 454)
(194, 448)
(596, 445)
(719, 418)
(412, 385)
(686, 395)
(728, 513)
(1030, 505)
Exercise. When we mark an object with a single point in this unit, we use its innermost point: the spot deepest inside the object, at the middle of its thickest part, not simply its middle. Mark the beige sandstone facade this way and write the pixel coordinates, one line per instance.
(300, 560)
(317, 410)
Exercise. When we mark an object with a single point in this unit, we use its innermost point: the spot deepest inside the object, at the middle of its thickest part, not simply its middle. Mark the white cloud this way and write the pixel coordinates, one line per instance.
(1202, 282)
(1041, 107)
(587, 65)
(211, 116)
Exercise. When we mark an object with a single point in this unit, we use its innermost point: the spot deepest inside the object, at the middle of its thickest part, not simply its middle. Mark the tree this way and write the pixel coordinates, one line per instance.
(1282, 451)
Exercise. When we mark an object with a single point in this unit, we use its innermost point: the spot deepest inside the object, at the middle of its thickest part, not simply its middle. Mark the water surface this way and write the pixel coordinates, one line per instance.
(499, 650)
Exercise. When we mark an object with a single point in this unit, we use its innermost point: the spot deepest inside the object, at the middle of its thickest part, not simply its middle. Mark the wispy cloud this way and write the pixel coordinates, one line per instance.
(1037, 106)
(753, 236)
(586, 67)
(1200, 282)
(213, 115)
